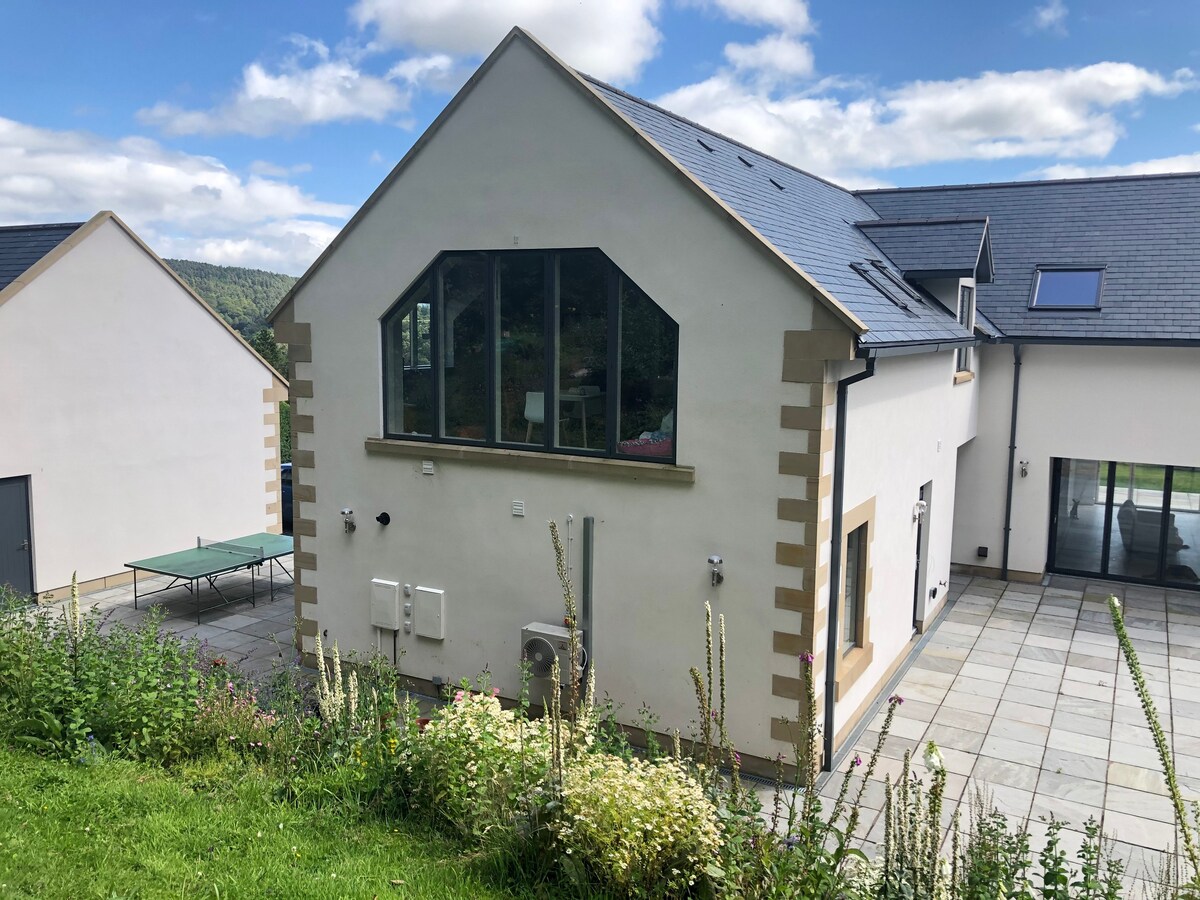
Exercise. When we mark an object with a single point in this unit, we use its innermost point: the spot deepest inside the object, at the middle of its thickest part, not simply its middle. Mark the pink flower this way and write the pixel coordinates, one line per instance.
(495, 692)
(857, 761)
(806, 657)
(458, 696)
(895, 699)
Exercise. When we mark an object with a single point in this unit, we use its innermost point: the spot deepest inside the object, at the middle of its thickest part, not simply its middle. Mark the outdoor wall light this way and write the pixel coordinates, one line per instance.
(348, 519)
(919, 510)
(717, 575)
(383, 518)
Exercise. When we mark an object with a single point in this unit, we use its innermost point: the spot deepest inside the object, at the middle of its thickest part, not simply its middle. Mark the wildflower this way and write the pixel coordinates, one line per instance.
(806, 658)
(933, 758)
(895, 700)
(857, 761)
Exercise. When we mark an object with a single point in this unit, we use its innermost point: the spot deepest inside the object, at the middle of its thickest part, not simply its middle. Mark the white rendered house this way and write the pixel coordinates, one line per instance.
(736, 382)
(132, 418)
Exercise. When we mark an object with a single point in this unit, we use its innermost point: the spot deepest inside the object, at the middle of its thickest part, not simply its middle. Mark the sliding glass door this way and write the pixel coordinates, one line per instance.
(1126, 521)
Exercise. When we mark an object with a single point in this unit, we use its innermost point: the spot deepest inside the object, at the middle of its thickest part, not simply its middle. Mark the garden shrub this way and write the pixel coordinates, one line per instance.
(66, 686)
(634, 827)
(476, 766)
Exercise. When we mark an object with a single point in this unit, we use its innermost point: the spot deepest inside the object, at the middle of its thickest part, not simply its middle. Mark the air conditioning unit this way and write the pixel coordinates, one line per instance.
(541, 644)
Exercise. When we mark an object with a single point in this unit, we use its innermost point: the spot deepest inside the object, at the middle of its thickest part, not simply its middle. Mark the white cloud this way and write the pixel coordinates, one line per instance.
(1064, 113)
(287, 246)
(1187, 162)
(1052, 17)
(178, 202)
(298, 94)
(776, 55)
(611, 40)
(438, 71)
(789, 16)
(272, 170)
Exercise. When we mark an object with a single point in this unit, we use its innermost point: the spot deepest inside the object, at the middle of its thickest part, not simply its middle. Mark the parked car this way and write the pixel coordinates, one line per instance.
(286, 496)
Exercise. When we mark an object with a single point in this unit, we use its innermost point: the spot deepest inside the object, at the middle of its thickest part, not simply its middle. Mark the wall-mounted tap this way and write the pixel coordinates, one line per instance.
(348, 519)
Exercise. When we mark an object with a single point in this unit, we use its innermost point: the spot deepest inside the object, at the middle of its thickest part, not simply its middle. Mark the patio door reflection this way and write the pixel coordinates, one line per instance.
(1127, 521)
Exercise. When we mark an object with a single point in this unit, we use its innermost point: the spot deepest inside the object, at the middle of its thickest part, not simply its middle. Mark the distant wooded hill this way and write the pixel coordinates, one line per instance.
(243, 296)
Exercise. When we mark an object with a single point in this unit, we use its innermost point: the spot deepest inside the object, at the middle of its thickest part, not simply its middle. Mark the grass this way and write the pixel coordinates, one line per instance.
(122, 829)
(1151, 478)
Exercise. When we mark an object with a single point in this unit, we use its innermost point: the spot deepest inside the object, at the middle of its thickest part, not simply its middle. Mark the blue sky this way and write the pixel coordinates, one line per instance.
(247, 133)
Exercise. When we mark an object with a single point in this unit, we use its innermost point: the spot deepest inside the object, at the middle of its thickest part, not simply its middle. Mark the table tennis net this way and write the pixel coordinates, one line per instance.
(243, 550)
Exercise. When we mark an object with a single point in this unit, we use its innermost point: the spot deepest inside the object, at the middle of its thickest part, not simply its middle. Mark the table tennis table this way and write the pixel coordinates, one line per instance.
(210, 559)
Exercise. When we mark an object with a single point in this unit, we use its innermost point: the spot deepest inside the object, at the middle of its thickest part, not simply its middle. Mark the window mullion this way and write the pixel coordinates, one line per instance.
(613, 380)
(491, 409)
(550, 414)
(435, 352)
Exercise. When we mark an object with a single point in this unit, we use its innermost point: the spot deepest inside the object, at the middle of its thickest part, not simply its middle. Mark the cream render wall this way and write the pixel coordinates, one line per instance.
(904, 427)
(526, 161)
(139, 418)
(1131, 404)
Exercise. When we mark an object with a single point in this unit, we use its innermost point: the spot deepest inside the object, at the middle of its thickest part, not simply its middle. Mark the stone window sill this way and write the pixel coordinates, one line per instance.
(963, 377)
(531, 459)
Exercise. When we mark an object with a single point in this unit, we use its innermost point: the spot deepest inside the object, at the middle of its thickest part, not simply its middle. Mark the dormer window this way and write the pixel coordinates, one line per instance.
(1057, 287)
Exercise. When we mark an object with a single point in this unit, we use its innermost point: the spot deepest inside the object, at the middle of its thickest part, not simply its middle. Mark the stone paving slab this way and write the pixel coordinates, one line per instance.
(252, 637)
(1023, 688)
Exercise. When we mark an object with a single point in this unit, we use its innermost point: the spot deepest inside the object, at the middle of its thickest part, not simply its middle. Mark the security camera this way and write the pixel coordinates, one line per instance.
(715, 560)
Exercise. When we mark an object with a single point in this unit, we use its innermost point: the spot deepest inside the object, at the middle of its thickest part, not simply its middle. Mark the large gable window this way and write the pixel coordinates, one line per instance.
(1066, 288)
(550, 350)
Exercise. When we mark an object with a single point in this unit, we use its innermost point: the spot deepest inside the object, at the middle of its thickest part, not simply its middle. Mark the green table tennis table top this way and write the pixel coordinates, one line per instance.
(198, 562)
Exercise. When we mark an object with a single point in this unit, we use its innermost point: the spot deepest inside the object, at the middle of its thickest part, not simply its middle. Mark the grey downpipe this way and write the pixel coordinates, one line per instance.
(585, 605)
(1012, 458)
(835, 555)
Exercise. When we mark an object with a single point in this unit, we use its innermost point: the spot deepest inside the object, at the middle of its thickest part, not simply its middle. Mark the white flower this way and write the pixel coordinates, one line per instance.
(933, 758)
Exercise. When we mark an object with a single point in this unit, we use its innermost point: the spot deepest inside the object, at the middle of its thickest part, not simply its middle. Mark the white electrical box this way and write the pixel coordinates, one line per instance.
(429, 613)
(385, 604)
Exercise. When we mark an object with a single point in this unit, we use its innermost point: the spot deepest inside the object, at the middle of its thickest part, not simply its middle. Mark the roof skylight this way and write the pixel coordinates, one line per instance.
(1067, 288)
(893, 295)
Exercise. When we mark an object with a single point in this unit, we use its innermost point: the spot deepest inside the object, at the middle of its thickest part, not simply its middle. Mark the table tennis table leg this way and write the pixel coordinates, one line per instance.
(135, 596)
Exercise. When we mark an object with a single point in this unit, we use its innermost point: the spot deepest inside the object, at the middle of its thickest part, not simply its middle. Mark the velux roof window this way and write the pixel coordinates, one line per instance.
(1067, 288)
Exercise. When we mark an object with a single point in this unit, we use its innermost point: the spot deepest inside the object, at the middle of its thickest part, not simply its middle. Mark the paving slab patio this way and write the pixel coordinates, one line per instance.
(1023, 689)
(253, 637)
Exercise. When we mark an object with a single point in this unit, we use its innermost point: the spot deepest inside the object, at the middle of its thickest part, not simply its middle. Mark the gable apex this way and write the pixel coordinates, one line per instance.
(841, 313)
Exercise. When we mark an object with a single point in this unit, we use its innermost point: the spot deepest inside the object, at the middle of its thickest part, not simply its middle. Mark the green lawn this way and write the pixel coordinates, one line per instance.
(121, 829)
(1185, 480)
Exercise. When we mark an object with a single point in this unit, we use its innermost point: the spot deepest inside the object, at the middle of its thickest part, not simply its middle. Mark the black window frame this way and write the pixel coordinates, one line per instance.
(854, 608)
(964, 356)
(1102, 271)
(611, 443)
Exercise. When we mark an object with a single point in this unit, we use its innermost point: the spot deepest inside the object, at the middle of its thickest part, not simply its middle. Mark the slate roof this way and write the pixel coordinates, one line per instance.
(1145, 229)
(930, 248)
(807, 219)
(23, 245)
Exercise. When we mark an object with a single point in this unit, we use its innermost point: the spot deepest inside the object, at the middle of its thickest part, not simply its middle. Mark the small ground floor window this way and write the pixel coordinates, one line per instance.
(1127, 521)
